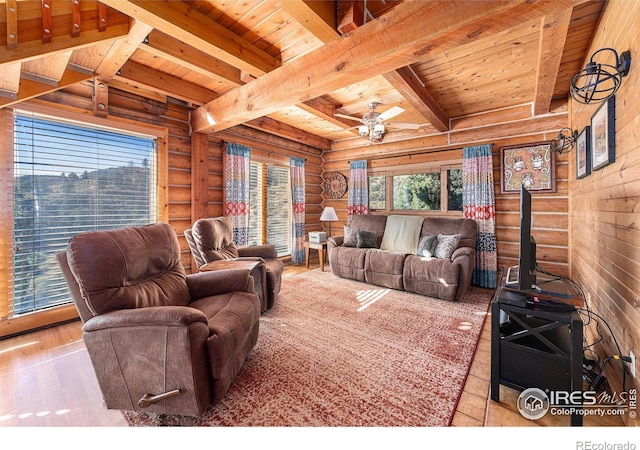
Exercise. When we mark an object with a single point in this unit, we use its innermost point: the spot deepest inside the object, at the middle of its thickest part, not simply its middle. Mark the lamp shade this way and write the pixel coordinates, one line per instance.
(329, 214)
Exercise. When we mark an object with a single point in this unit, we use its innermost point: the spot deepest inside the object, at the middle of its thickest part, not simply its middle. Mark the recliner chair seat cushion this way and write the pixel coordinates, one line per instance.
(233, 321)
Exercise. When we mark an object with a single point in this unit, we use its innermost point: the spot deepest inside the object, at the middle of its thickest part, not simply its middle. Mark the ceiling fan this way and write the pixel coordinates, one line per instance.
(373, 122)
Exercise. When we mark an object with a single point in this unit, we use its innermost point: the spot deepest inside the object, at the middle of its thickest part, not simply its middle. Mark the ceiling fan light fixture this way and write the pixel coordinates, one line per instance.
(565, 141)
(378, 131)
(363, 130)
(599, 81)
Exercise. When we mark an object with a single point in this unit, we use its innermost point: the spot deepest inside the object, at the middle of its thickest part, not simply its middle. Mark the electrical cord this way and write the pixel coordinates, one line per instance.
(590, 314)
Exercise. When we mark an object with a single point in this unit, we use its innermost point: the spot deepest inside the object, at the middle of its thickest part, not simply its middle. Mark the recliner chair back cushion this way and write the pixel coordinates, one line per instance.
(214, 238)
(137, 267)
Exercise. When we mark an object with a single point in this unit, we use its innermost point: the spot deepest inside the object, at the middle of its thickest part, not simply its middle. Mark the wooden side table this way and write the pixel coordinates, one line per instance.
(320, 246)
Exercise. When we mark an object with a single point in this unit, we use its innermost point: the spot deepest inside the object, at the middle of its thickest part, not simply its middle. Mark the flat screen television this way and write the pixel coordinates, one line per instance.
(527, 253)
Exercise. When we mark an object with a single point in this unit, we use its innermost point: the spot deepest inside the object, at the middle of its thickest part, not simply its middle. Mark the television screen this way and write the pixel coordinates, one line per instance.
(527, 253)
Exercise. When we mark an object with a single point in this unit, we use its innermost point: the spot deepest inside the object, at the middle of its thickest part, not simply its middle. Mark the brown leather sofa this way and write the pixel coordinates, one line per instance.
(211, 239)
(447, 278)
(159, 340)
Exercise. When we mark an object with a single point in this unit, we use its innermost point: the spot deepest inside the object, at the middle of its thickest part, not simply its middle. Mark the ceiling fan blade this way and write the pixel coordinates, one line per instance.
(404, 125)
(344, 116)
(391, 112)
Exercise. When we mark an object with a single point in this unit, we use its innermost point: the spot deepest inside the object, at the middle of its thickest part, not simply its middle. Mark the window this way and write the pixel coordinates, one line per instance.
(70, 178)
(417, 191)
(377, 192)
(270, 206)
(434, 189)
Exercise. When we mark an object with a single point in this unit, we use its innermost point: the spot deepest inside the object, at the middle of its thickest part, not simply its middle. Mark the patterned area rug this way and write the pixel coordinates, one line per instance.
(336, 352)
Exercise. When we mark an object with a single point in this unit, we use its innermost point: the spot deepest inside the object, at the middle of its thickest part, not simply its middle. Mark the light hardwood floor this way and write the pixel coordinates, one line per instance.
(47, 380)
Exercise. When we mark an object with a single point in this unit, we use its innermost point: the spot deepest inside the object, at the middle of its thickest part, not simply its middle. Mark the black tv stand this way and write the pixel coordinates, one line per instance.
(539, 346)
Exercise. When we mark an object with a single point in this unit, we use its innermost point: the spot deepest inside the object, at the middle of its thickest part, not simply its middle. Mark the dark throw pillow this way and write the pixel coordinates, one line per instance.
(427, 246)
(366, 239)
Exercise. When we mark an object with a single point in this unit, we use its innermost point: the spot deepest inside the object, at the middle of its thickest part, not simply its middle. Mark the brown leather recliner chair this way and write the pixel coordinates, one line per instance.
(211, 239)
(159, 340)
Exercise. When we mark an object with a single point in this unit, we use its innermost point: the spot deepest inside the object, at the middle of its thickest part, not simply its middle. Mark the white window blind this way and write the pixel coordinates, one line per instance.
(270, 206)
(70, 178)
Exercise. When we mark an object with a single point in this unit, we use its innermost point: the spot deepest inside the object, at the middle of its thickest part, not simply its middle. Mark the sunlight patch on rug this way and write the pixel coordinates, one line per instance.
(369, 297)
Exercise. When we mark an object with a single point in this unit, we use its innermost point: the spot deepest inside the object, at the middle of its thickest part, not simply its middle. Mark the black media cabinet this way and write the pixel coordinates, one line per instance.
(537, 347)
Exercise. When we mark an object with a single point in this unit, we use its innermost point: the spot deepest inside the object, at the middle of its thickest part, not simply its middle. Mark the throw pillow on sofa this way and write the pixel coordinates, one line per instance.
(366, 239)
(447, 244)
(350, 236)
(427, 246)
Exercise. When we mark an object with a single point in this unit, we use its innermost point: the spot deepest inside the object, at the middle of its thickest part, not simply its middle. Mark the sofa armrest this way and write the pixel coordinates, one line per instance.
(465, 257)
(216, 282)
(249, 258)
(265, 251)
(148, 316)
(462, 252)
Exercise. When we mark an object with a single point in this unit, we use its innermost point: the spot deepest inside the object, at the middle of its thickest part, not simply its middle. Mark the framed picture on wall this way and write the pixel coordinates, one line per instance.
(532, 165)
(603, 135)
(583, 153)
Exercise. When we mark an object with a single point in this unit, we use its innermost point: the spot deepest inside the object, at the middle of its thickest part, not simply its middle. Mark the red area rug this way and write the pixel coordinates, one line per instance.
(336, 352)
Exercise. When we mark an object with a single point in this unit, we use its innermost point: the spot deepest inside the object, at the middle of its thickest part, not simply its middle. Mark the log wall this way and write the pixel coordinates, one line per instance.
(604, 211)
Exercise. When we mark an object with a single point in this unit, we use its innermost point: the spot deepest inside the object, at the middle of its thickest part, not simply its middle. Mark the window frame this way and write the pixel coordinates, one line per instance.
(412, 169)
(10, 325)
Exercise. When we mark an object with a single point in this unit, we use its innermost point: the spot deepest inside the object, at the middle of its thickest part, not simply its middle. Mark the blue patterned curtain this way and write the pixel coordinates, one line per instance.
(478, 200)
(237, 178)
(296, 169)
(358, 202)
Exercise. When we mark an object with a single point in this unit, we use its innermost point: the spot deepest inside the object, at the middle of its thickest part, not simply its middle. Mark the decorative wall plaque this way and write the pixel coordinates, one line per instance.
(335, 185)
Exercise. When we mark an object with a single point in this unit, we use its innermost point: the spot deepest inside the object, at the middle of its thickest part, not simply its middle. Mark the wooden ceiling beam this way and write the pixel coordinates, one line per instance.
(323, 109)
(26, 51)
(350, 15)
(176, 51)
(172, 86)
(305, 13)
(30, 89)
(180, 21)
(398, 40)
(122, 49)
(553, 35)
(405, 81)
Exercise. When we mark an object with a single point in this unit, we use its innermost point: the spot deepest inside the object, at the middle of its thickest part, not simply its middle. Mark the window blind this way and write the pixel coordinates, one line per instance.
(270, 206)
(70, 178)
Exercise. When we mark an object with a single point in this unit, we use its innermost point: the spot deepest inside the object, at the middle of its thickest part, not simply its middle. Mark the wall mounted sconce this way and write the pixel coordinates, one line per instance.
(565, 141)
(598, 81)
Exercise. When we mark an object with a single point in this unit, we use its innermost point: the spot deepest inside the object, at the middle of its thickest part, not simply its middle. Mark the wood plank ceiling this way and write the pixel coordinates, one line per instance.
(288, 66)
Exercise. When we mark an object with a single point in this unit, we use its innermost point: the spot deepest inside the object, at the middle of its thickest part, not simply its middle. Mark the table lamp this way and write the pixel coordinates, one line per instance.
(329, 215)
